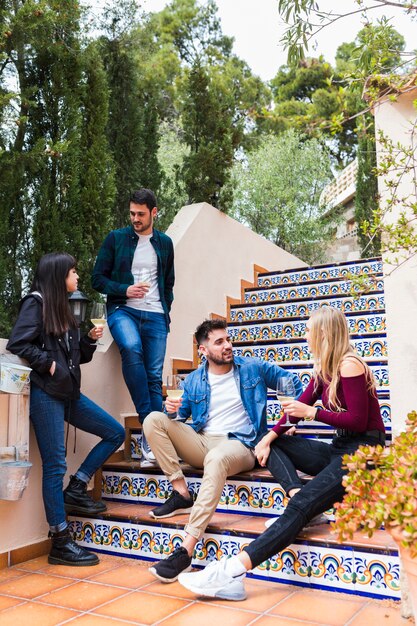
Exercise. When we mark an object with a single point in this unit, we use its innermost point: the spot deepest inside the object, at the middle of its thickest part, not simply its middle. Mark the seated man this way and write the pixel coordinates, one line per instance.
(226, 398)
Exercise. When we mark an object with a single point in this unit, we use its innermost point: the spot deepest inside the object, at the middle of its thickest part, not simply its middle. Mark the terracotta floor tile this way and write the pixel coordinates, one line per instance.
(6, 602)
(35, 615)
(205, 614)
(37, 564)
(270, 620)
(82, 596)
(262, 597)
(173, 589)
(314, 605)
(132, 576)
(81, 573)
(379, 614)
(32, 585)
(10, 573)
(142, 608)
(97, 620)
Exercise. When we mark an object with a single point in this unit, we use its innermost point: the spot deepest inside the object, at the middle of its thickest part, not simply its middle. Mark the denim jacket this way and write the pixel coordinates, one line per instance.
(253, 378)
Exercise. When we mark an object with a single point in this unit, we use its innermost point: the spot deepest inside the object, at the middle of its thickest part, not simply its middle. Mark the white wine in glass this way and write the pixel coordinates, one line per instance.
(98, 316)
(285, 392)
(143, 278)
(173, 387)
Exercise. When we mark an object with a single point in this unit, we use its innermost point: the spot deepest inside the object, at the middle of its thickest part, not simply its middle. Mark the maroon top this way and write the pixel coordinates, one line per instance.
(361, 412)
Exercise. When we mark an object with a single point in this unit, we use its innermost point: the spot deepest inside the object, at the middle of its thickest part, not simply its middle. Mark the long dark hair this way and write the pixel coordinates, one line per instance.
(49, 280)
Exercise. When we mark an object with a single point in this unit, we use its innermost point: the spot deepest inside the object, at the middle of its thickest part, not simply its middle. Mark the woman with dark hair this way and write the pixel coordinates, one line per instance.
(47, 336)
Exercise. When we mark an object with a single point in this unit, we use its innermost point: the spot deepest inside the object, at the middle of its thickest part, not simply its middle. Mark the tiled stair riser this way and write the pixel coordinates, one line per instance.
(321, 273)
(288, 310)
(301, 292)
(316, 564)
(294, 352)
(250, 496)
(364, 324)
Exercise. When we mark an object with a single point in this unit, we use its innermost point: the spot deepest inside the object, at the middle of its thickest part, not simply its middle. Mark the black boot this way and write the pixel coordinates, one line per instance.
(65, 551)
(77, 500)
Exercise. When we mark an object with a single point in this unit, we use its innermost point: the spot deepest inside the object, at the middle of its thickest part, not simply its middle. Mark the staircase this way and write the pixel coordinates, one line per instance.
(269, 323)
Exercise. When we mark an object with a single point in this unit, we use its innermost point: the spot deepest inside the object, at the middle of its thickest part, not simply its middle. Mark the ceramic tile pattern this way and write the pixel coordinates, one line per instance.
(120, 592)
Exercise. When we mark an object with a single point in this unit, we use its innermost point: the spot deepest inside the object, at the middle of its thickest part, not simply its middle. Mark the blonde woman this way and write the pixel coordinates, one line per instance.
(344, 383)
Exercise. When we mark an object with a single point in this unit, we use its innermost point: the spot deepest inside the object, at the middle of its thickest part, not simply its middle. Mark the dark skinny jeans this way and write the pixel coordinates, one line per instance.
(316, 458)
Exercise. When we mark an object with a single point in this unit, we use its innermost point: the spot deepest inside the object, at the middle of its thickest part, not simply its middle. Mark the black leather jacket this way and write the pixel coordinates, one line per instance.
(29, 341)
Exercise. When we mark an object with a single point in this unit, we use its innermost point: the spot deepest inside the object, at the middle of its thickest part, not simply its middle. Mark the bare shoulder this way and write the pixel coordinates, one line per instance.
(351, 366)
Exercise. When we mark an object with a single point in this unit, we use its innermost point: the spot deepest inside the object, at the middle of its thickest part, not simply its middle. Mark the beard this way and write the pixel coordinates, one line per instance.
(224, 359)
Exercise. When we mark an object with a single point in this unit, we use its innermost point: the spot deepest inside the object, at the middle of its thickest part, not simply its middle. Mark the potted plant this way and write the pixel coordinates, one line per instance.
(381, 489)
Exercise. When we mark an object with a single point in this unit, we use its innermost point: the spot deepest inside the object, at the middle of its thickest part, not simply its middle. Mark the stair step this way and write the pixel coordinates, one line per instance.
(320, 272)
(359, 324)
(368, 567)
(255, 295)
(374, 303)
(295, 351)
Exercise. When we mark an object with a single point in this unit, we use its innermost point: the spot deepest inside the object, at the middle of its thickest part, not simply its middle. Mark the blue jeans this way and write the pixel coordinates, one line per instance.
(316, 458)
(141, 337)
(48, 415)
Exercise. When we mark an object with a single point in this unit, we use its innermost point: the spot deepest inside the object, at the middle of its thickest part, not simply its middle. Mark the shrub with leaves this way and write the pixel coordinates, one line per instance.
(381, 489)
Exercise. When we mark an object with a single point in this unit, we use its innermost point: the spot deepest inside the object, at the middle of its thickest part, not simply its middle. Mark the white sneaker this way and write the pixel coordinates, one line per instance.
(270, 521)
(148, 458)
(215, 582)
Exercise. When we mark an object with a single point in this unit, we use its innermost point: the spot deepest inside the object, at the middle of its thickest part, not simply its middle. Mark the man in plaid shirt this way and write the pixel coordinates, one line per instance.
(135, 268)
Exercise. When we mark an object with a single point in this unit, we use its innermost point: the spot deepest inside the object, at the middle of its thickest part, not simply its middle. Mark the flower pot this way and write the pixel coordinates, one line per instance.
(409, 564)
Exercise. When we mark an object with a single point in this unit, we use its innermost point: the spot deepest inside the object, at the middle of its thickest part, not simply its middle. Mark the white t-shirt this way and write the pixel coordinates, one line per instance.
(145, 259)
(226, 412)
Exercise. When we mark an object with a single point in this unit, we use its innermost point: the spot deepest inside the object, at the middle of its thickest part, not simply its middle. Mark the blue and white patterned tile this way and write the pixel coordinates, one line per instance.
(378, 574)
(320, 273)
(291, 566)
(283, 310)
(211, 547)
(272, 294)
(135, 487)
(293, 353)
(272, 330)
(125, 538)
(241, 497)
(272, 499)
(333, 568)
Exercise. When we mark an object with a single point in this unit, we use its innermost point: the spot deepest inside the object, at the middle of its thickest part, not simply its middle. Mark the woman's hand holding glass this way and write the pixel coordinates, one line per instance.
(99, 319)
(294, 408)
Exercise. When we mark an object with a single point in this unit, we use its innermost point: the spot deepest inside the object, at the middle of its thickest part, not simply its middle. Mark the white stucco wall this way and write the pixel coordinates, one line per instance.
(213, 252)
(394, 119)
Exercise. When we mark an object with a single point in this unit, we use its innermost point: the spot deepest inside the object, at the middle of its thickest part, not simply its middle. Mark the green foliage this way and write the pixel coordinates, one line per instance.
(277, 190)
(306, 20)
(171, 153)
(394, 220)
(54, 164)
(381, 489)
(366, 197)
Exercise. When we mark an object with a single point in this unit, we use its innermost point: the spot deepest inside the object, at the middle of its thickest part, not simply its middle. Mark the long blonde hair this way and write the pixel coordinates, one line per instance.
(329, 343)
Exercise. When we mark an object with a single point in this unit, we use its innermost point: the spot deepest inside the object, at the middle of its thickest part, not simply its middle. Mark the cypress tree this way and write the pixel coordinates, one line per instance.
(366, 198)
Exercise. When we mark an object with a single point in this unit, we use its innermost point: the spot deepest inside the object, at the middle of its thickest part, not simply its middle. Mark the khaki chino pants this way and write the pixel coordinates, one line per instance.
(218, 455)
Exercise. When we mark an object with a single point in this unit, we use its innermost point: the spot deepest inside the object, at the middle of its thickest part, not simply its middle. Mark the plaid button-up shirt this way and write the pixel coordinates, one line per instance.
(112, 273)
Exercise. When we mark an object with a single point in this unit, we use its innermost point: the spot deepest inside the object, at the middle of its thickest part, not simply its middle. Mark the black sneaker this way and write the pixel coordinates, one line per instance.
(175, 505)
(168, 570)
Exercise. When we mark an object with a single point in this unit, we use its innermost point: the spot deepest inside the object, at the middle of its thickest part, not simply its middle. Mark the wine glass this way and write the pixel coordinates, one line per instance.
(173, 386)
(143, 278)
(285, 391)
(98, 316)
